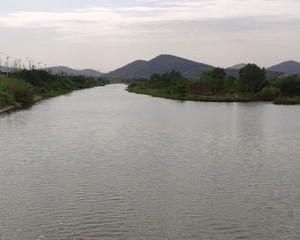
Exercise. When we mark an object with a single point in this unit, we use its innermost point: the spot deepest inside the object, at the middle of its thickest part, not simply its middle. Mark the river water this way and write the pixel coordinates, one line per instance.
(106, 164)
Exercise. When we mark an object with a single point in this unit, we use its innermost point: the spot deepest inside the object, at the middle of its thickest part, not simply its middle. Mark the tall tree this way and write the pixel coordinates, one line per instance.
(252, 78)
(214, 80)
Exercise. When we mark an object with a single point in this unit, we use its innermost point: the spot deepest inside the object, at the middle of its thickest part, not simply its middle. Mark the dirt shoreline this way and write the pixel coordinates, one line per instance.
(11, 108)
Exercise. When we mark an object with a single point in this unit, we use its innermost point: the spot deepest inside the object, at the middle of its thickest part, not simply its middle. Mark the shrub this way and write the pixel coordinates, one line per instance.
(6, 99)
(17, 89)
(269, 93)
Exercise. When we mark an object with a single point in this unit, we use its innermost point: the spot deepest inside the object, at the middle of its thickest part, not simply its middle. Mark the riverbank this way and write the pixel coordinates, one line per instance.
(7, 109)
(287, 101)
(162, 94)
(22, 89)
(217, 98)
(215, 85)
(11, 108)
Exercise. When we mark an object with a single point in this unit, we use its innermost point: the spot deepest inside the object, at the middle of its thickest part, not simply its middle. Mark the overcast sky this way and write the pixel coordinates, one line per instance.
(105, 34)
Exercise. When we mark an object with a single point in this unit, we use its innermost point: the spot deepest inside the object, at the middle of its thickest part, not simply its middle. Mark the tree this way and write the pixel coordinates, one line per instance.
(165, 80)
(230, 82)
(181, 89)
(252, 78)
(214, 80)
(289, 86)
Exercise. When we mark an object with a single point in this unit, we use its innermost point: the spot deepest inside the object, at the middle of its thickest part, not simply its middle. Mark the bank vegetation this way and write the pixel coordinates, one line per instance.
(22, 88)
(215, 86)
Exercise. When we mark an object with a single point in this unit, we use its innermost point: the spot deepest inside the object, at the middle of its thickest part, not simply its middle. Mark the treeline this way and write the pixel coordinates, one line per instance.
(215, 85)
(21, 88)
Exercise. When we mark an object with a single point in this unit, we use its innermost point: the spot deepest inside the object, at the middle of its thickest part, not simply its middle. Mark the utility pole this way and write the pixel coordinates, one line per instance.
(29, 63)
(40, 65)
(7, 65)
(14, 65)
(1, 66)
(20, 64)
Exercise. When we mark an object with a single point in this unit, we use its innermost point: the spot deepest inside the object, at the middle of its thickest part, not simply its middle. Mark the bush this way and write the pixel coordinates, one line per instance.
(17, 89)
(269, 93)
(6, 99)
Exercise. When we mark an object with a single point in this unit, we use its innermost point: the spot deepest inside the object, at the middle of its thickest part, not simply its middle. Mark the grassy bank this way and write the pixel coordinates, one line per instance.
(15, 92)
(23, 88)
(215, 86)
(165, 93)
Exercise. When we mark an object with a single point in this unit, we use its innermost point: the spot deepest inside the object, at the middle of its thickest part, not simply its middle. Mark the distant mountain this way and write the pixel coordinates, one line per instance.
(289, 67)
(67, 71)
(2, 68)
(238, 66)
(235, 71)
(74, 72)
(161, 64)
(134, 70)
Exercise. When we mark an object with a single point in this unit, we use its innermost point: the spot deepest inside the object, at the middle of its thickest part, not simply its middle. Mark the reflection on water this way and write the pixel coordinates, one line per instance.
(106, 164)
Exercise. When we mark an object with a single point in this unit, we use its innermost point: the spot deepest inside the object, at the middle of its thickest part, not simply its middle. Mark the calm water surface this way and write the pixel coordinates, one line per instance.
(106, 164)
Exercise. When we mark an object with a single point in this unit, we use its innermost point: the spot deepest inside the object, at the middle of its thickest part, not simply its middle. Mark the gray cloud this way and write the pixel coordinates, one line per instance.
(152, 24)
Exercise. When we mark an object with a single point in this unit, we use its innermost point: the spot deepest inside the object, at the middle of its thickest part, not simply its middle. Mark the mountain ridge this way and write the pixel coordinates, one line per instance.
(163, 63)
(74, 72)
(160, 64)
(290, 67)
(191, 69)
(238, 66)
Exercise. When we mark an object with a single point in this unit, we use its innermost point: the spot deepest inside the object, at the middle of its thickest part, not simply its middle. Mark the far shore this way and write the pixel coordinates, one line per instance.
(214, 98)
